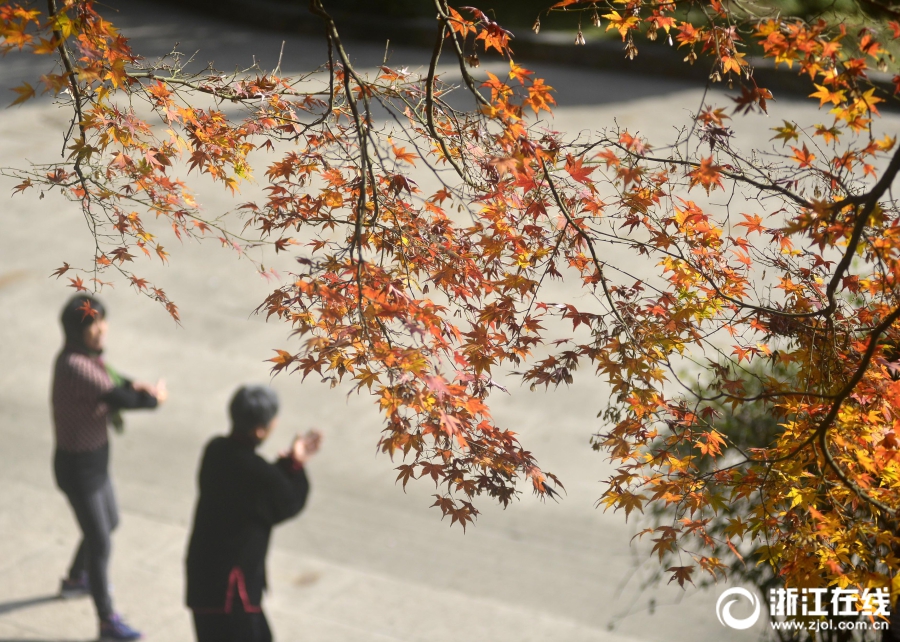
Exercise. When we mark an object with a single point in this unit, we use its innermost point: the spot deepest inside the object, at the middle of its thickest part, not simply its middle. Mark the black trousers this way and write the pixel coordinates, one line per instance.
(94, 505)
(237, 626)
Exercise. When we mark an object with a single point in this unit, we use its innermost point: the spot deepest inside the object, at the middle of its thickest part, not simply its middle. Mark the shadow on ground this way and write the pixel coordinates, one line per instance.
(28, 602)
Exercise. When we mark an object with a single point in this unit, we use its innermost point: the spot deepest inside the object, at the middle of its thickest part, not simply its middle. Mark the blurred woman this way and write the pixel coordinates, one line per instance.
(87, 397)
(242, 496)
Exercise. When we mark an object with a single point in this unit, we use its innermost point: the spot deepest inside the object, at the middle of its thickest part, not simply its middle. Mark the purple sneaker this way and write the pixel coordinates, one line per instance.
(113, 629)
(70, 588)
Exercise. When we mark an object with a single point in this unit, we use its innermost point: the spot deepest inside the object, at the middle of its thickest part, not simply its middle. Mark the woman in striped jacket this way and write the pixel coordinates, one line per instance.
(87, 397)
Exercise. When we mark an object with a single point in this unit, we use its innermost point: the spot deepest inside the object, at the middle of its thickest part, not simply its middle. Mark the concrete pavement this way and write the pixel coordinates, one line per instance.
(365, 561)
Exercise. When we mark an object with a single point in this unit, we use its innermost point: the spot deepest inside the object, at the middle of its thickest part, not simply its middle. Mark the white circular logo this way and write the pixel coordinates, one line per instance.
(723, 609)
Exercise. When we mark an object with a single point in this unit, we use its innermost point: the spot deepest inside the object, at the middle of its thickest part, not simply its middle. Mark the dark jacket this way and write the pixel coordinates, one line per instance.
(241, 497)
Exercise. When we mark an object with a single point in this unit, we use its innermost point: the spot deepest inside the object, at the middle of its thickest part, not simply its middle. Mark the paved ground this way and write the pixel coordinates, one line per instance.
(365, 561)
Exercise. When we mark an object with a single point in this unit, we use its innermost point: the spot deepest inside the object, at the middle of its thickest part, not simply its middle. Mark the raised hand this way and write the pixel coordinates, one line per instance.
(159, 391)
(305, 446)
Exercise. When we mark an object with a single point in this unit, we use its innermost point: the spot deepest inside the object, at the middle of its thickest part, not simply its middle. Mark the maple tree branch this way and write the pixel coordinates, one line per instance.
(870, 201)
(365, 163)
(839, 398)
(751, 306)
(79, 117)
(444, 13)
(687, 140)
(226, 93)
(330, 72)
(317, 8)
(849, 483)
(770, 187)
(737, 302)
(518, 329)
(587, 239)
(822, 430)
(430, 104)
(69, 67)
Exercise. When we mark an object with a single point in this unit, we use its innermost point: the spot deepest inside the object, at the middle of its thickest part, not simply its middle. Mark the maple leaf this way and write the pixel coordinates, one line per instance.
(539, 97)
(172, 309)
(403, 155)
(399, 183)
(622, 24)
(786, 133)
(869, 46)
(825, 95)
(87, 310)
(25, 92)
(58, 175)
(407, 472)
(519, 73)
(707, 175)
(58, 272)
(743, 353)
(492, 35)
(121, 255)
(665, 543)
(464, 515)
(830, 134)
(627, 500)
(734, 63)
(282, 360)
(446, 504)
(609, 157)
(868, 100)
(459, 24)
(504, 165)
(751, 97)
(283, 243)
(803, 156)
(577, 171)
(753, 223)
(77, 283)
(367, 378)
(680, 574)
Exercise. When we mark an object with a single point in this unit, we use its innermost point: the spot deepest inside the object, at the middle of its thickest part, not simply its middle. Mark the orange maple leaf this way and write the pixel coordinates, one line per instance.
(753, 223)
(576, 170)
(87, 311)
(77, 283)
(707, 175)
(803, 156)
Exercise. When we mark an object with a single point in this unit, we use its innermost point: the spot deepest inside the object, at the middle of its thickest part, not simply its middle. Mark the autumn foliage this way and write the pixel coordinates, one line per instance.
(418, 295)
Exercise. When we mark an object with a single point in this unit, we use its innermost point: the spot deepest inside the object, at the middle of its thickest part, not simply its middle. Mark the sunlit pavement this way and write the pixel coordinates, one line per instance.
(365, 561)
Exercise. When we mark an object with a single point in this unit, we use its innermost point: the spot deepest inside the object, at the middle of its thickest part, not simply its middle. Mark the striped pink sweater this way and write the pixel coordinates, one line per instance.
(80, 418)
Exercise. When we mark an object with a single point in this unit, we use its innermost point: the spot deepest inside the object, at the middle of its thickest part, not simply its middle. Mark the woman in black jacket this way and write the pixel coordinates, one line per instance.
(241, 497)
(87, 397)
